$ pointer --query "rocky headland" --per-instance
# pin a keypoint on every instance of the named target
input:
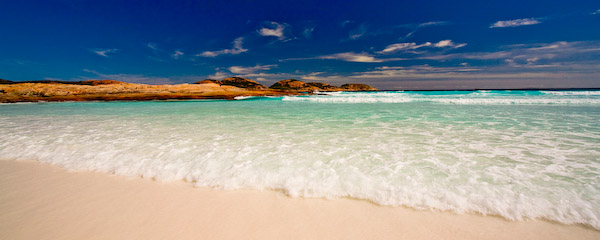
(111, 90)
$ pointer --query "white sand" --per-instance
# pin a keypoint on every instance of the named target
(39, 201)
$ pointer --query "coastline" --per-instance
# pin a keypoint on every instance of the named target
(41, 201)
(50, 92)
(111, 90)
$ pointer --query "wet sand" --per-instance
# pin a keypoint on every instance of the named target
(40, 201)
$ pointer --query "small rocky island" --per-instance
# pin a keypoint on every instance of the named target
(111, 90)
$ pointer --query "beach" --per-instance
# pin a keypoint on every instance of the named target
(363, 165)
(40, 201)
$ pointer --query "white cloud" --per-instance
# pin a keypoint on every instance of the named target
(177, 54)
(411, 46)
(448, 43)
(249, 70)
(318, 76)
(515, 23)
(348, 57)
(274, 30)
(352, 57)
(104, 52)
(421, 25)
(425, 72)
(218, 75)
(403, 46)
(596, 12)
(556, 51)
(433, 23)
(237, 49)
(358, 32)
(555, 45)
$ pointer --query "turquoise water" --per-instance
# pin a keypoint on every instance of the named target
(517, 154)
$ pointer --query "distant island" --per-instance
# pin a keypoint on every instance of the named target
(111, 90)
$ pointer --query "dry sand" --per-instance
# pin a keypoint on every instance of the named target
(39, 201)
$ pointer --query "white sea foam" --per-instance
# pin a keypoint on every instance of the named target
(516, 162)
(242, 97)
(576, 93)
(470, 98)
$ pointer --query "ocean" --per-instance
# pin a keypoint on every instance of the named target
(516, 154)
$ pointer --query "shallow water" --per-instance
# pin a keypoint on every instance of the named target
(518, 154)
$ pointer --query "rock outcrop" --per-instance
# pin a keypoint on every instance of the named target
(34, 92)
(291, 84)
(322, 86)
(111, 90)
(357, 87)
(100, 82)
(297, 85)
(205, 81)
(243, 83)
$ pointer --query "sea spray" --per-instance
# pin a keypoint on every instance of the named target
(506, 153)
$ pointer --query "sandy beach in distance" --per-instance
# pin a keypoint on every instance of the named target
(40, 201)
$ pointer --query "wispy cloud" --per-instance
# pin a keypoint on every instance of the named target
(130, 78)
(249, 70)
(219, 75)
(519, 53)
(324, 77)
(348, 57)
(403, 46)
(177, 54)
(515, 23)
(273, 29)
(104, 52)
(269, 78)
(596, 12)
(465, 77)
(416, 27)
(353, 57)
(449, 44)
(412, 46)
(307, 33)
(520, 65)
(152, 46)
(357, 32)
(344, 23)
(237, 49)
(410, 72)
(432, 23)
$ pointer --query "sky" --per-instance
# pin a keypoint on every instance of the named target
(387, 44)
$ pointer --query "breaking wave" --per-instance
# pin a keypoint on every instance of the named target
(459, 97)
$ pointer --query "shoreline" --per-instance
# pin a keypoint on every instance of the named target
(111, 90)
(41, 201)
(47, 92)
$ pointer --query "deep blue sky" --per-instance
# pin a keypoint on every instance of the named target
(388, 44)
